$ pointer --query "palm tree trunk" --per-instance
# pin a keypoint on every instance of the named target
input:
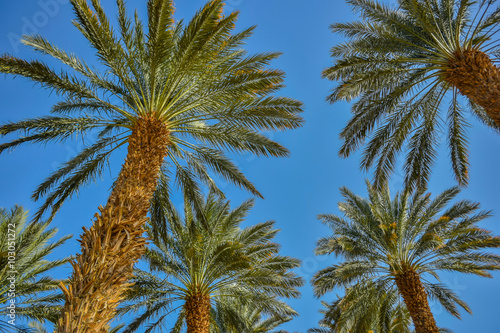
(197, 309)
(115, 242)
(415, 298)
(475, 76)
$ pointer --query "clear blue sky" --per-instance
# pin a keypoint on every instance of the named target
(296, 189)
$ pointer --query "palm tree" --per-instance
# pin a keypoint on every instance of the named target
(177, 93)
(401, 65)
(397, 243)
(23, 267)
(201, 271)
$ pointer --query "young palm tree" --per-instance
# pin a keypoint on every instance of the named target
(175, 92)
(396, 243)
(401, 65)
(201, 271)
(23, 251)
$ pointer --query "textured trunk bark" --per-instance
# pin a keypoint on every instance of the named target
(197, 309)
(115, 241)
(475, 76)
(415, 298)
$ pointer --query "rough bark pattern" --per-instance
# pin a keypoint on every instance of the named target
(115, 242)
(476, 77)
(415, 298)
(197, 309)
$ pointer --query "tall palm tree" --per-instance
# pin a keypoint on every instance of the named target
(403, 64)
(201, 271)
(24, 267)
(175, 92)
(398, 243)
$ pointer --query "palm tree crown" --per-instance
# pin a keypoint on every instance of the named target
(402, 65)
(397, 243)
(194, 78)
(217, 268)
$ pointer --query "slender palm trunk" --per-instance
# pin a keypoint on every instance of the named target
(197, 309)
(115, 242)
(415, 298)
(475, 76)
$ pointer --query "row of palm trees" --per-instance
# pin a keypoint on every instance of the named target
(219, 277)
(400, 64)
(237, 273)
(180, 95)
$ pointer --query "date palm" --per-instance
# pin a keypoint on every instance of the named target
(202, 272)
(400, 243)
(24, 248)
(178, 95)
(406, 67)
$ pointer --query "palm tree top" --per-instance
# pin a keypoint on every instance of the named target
(235, 267)
(404, 66)
(380, 238)
(195, 78)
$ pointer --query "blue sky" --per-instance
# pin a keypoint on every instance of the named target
(296, 189)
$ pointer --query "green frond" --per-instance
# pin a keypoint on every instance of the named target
(79, 171)
(47, 129)
(447, 298)
(62, 84)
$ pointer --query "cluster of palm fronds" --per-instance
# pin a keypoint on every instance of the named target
(35, 293)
